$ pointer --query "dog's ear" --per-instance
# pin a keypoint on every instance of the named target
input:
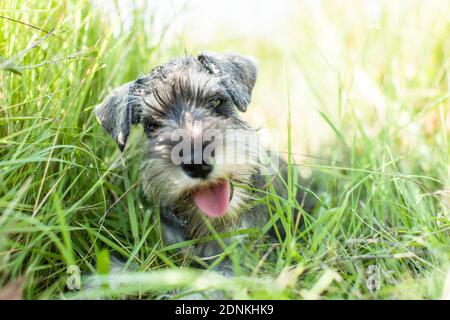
(119, 111)
(239, 74)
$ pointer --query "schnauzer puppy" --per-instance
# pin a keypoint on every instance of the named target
(203, 165)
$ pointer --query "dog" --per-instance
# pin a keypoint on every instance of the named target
(190, 111)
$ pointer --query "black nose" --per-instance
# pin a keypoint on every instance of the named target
(200, 170)
(196, 164)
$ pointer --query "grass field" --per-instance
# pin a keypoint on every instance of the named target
(361, 99)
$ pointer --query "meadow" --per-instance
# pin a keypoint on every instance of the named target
(358, 90)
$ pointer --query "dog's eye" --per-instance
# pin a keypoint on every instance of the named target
(151, 126)
(215, 103)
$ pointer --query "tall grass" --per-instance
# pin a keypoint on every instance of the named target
(68, 197)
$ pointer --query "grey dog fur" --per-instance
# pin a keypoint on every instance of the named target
(173, 96)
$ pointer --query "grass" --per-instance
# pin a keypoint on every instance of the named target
(376, 144)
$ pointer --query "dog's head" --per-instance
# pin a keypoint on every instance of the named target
(200, 153)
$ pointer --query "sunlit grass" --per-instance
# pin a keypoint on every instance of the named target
(369, 117)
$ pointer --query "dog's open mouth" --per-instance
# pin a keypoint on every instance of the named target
(214, 200)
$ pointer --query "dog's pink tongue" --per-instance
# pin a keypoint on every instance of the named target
(213, 201)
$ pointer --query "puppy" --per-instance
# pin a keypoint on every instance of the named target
(204, 166)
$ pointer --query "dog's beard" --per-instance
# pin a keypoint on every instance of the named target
(167, 185)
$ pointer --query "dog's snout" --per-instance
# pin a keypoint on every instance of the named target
(201, 170)
(197, 163)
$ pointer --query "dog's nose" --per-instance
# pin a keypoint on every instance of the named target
(196, 164)
(194, 170)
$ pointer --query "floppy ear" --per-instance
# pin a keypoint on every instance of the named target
(239, 74)
(119, 111)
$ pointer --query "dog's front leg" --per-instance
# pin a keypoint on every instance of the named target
(172, 228)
